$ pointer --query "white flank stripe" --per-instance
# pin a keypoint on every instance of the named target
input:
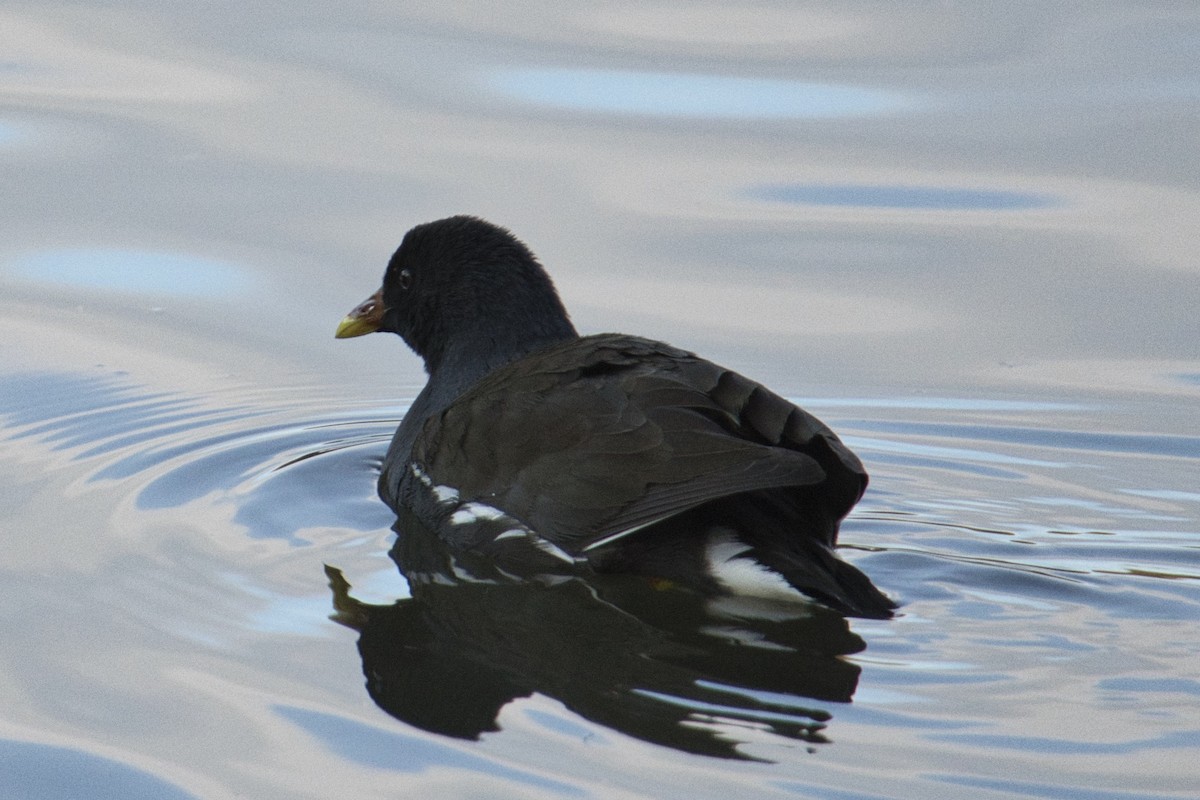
(474, 512)
(511, 533)
(419, 474)
(550, 547)
(445, 494)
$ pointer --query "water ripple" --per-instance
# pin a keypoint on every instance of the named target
(1015, 545)
(1052, 439)
(285, 468)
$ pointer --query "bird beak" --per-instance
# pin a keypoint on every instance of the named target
(366, 318)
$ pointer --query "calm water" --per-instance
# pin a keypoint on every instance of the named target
(963, 235)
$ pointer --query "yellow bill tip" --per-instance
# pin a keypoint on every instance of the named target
(353, 326)
(366, 318)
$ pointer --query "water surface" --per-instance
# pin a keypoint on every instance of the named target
(960, 236)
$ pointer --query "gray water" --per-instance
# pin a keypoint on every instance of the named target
(964, 235)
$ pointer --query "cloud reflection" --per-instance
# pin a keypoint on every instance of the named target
(51, 771)
(132, 271)
(669, 94)
(906, 197)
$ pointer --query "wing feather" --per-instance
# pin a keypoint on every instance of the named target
(608, 433)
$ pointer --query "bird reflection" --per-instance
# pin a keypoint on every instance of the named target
(647, 658)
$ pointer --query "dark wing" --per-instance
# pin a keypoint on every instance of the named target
(608, 433)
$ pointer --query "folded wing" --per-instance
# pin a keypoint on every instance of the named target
(610, 433)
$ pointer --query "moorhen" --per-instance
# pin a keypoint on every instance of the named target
(559, 452)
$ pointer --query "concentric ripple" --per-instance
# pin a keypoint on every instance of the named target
(286, 467)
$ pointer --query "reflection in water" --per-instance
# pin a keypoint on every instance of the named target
(33, 770)
(389, 750)
(647, 659)
(134, 271)
(674, 94)
(907, 197)
(1032, 542)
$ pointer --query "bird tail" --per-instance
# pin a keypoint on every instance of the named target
(741, 567)
(837, 584)
(800, 548)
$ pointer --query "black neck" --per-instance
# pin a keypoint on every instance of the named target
(464, 363)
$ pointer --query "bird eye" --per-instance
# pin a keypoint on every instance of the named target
(405, 279)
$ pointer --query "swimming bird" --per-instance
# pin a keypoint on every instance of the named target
(606, 452)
